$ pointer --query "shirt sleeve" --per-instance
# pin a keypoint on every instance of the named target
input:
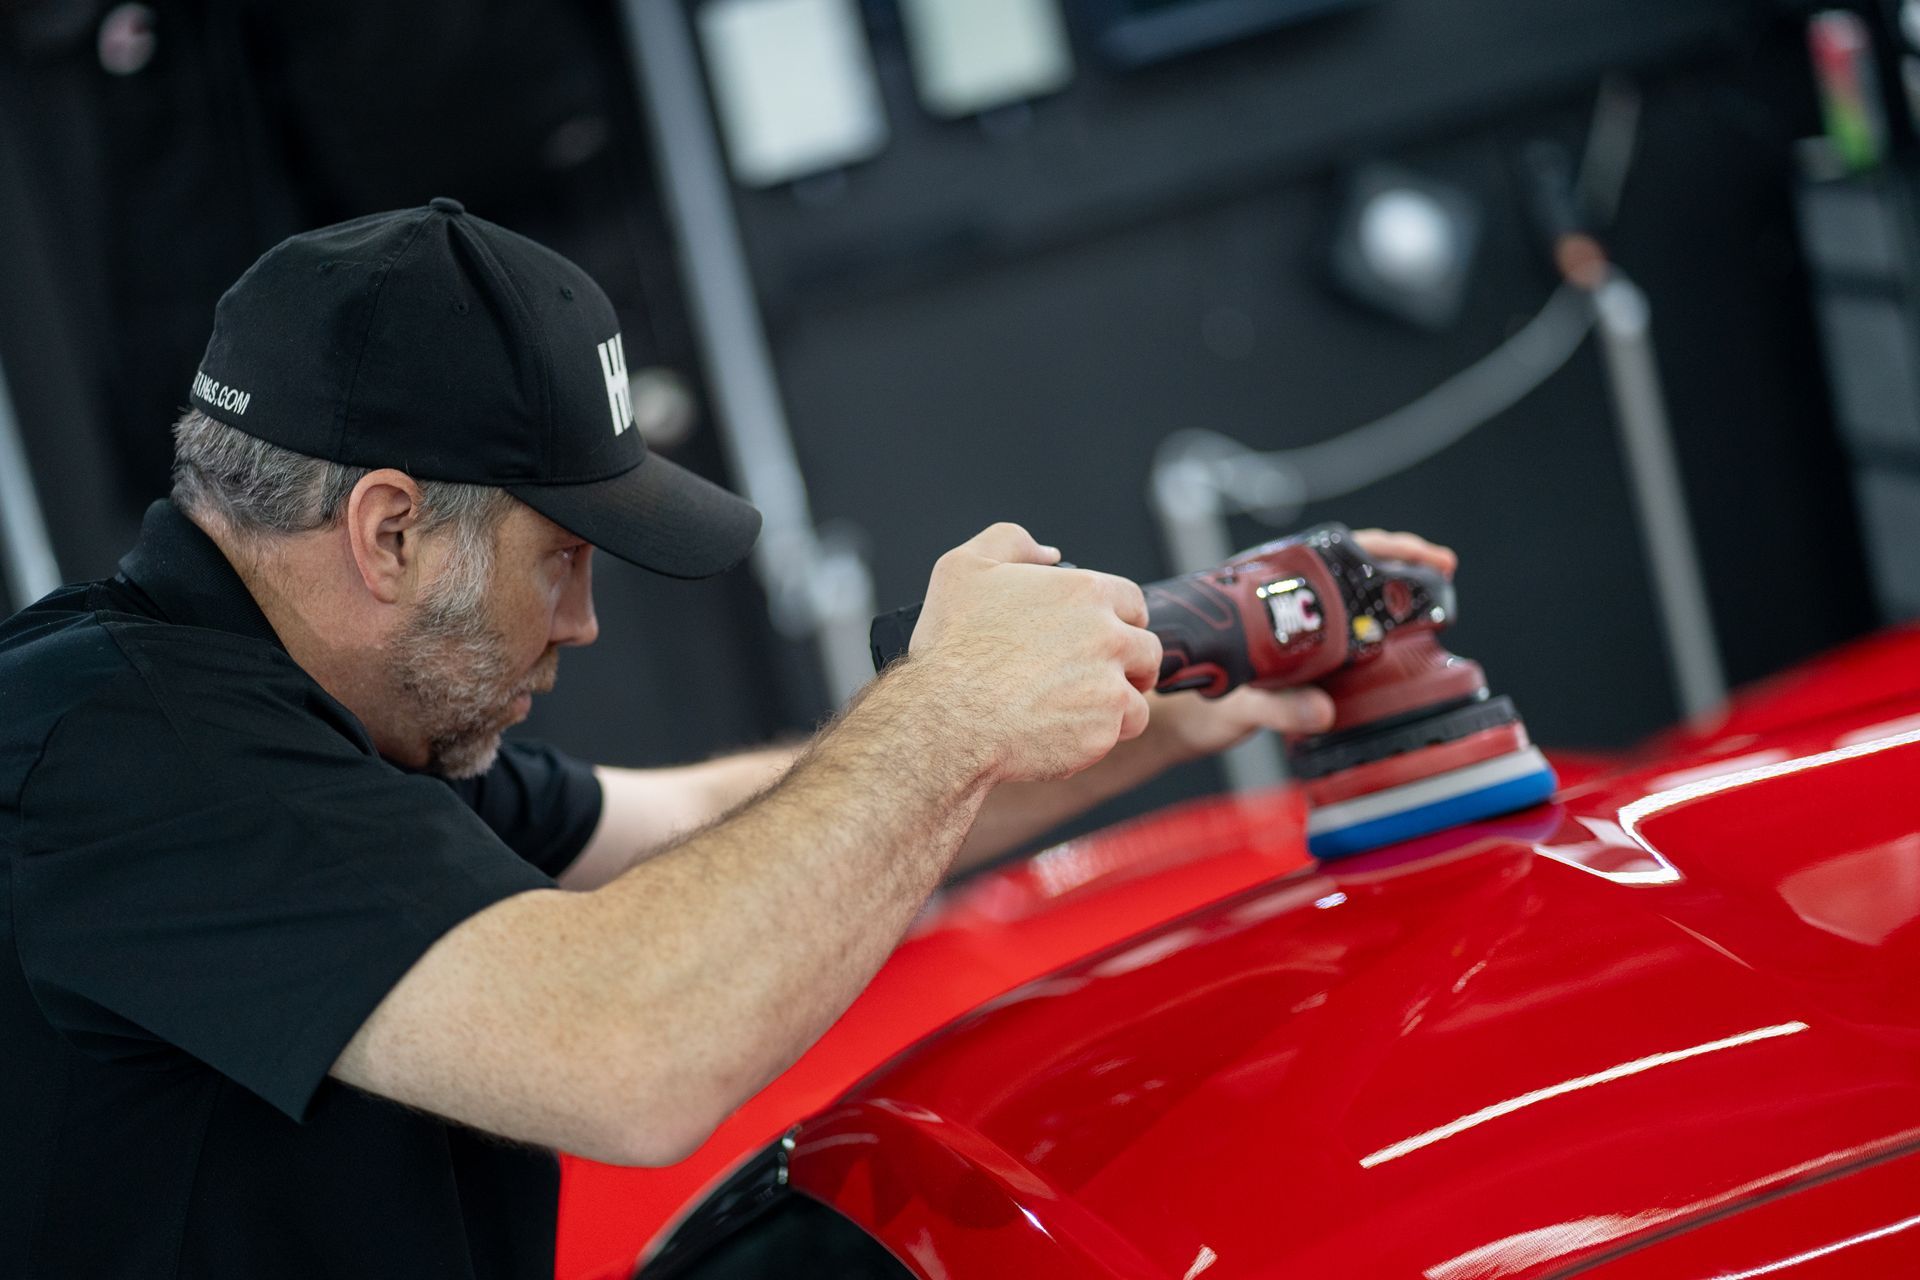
(542, 803)
(249, 893)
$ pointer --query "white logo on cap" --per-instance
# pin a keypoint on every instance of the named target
(613, 364)
(220, 396)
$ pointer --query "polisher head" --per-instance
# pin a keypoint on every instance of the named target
(1416, 773)
(1483, 790)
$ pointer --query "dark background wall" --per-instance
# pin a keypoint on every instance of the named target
(1001, 319)
(1004, 322)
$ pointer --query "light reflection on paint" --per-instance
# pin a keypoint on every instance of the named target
(1526, 1250)
(908, 1110)
(1073, 865)
(1201, 1261)
(1152, 951)
(1517, 1253)
(1613, 855)
(1798, 1258)
(1632, 815)
(1885, 729)
(923, 1251)
(1269, 905)
(1407, 1146)
(1719, 768)
(1331, 900)
(1473, 971)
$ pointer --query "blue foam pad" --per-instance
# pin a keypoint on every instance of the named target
(1484, 802)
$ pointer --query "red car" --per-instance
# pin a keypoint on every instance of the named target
(1667, 1025)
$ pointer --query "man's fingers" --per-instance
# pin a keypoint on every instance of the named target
(1141, 658)
(1129, 601)
(1133, 721)
(1302, 710)
(1011, 544)
(1407, 546)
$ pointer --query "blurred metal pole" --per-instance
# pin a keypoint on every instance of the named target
(25, 548)
(1660, 502)
(817, 587)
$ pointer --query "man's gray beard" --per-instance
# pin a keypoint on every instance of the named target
(452, 669)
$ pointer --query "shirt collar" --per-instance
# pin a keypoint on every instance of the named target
(188, 578)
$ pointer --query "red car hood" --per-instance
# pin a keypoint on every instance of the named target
(1490, 1052)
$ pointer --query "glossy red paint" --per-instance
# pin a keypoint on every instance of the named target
(1490, 1052)
(1867, 1224)
(1495, 1051)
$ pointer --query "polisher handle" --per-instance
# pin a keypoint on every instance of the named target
(891, 633)
(1275, 615)
(1289, 612)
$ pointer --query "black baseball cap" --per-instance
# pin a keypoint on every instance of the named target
(435, 342)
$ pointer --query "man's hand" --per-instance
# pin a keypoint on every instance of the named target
(1049, 667)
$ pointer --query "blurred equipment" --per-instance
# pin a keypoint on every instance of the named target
(1859, 213)
(1135, 32)
(25, 550)
(818, 585)
(1417, 743)
(1659, 499)
(1405, 245)
(127, 39)
(1861, 236)
(971, 56)
(793, 83)
(1850, 101)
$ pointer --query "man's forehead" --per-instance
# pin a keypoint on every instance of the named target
(525, 524)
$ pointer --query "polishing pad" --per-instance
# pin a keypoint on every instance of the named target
(1480, 790)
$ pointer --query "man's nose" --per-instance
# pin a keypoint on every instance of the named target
(574, 622)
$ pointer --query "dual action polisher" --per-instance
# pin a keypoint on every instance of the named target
(1417, 742)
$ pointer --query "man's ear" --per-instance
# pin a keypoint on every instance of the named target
(383, 512)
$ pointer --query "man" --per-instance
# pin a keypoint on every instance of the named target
(275, 991)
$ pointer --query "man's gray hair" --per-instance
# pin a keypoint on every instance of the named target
(261, 491)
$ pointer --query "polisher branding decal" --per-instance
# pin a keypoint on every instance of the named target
(1293, 609)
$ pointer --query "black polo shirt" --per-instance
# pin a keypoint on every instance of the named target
(210, 879)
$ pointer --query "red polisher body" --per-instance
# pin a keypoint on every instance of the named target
(1417, 743)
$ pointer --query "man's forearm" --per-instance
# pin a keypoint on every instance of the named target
(647, 1009)
(647, 808)
(733, 951)
(1011, 816)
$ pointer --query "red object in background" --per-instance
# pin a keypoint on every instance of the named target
(1685, 987)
